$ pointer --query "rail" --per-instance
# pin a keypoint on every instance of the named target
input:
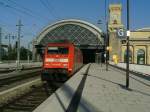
(10, 78)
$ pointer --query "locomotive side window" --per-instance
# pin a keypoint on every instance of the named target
(57, 50)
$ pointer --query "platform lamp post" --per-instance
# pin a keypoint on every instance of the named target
(106, 36)
(127, 58)
(99, 22)
(106, 46)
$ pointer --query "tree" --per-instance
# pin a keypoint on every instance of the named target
(11, 54)
(4, 54)
(24, 53)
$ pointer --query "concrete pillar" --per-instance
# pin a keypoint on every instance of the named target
(134, 54)
(148, 54)
(34, 50)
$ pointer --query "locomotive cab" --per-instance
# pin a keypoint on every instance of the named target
(58, 61)
(56, 57)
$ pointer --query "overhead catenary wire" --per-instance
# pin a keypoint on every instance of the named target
(29, 10)
(12, 12)
(12, 8)
(52, 9)
(19, 10)
(48, 9)
(26, 11)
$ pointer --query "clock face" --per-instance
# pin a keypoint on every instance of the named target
(114, 17)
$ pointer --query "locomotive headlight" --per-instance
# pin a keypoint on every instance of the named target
(70, 69)
(49, 60)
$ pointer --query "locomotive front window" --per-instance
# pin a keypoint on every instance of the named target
(57, 50)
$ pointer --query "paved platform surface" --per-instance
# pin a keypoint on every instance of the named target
(145, 69)
(99, 91)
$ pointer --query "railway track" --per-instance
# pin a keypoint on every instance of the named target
(29, 101)
(6, 70)
(9, 79)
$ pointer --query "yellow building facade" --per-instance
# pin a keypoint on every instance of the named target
(139, 47)
(139, 40)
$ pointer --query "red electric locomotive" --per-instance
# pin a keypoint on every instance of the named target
(60, 61)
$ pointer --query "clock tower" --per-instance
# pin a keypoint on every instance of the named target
(115, 11)
(114, 23)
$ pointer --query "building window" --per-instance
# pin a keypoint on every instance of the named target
(130, 56)
(140, 56)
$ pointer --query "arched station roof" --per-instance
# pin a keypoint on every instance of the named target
(144, 29)
(77, 31)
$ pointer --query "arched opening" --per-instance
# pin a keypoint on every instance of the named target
(130, 56)
(140, 56)
(82, 34)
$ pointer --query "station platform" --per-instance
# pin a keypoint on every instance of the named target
(143, 69)
(99, 90)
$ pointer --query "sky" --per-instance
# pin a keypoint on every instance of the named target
(37, 14)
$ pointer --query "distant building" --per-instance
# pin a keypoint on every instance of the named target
(139, 40)
(139, 47)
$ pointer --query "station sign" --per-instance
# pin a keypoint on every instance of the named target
(121, 33)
